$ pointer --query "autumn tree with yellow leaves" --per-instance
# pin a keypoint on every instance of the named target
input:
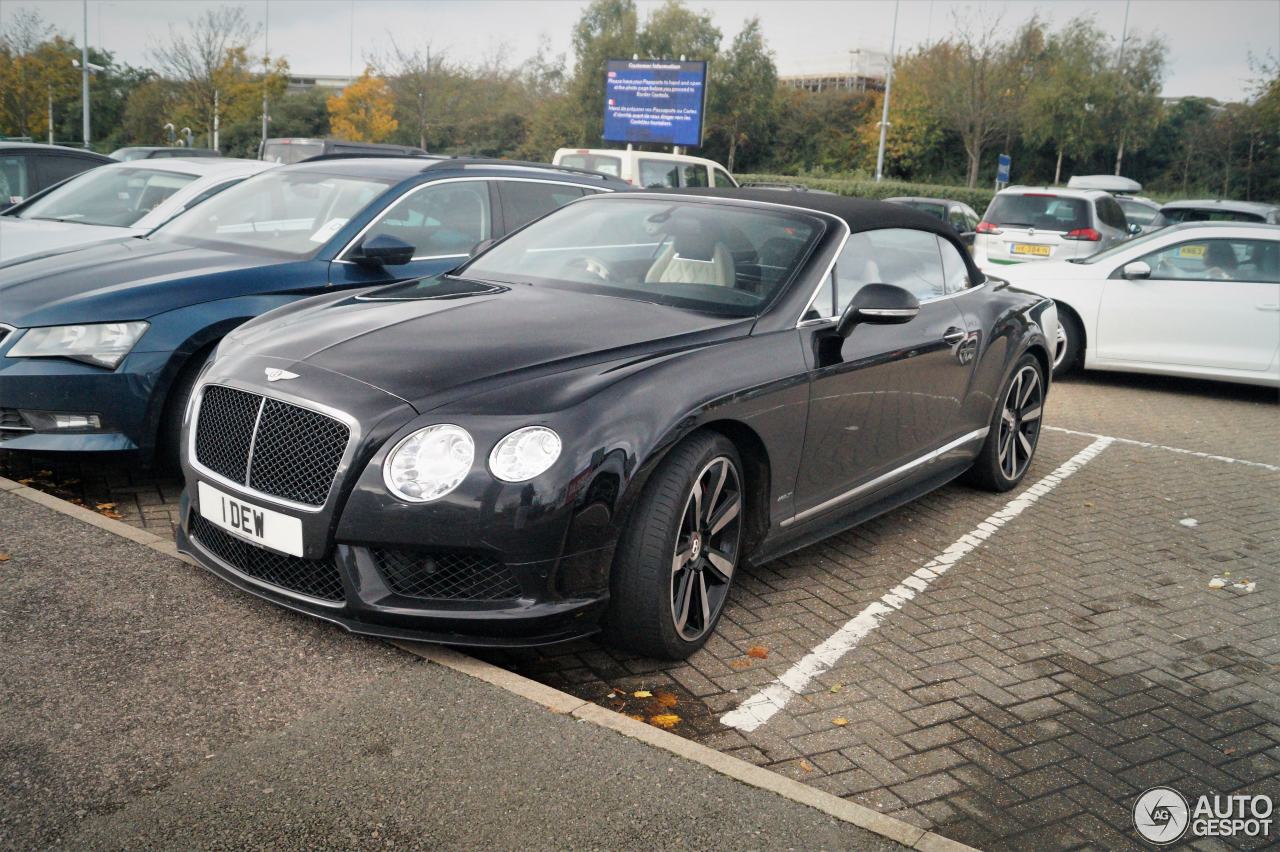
(364, 111)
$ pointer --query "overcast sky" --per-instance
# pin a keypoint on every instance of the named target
(1210, 41)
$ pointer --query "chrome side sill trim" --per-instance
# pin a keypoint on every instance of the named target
(896, 473)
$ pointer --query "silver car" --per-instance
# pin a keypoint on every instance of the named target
(1025, 223)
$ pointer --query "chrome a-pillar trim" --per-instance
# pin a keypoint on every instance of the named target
(896, 473)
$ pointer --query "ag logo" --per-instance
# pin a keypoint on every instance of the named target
(1161, 815)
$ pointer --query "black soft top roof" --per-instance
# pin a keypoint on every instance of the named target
(860, 214)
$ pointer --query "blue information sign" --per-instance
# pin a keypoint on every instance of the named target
(654, 100)
(1002, 168)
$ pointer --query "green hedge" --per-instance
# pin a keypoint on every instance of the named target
(978, 199)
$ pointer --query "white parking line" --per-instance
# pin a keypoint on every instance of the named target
(1271, 467)
(761, 707)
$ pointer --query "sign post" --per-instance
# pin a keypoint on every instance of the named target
(1002, 171)
(657, 101)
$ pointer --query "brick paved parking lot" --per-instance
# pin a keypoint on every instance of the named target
(1009, 670)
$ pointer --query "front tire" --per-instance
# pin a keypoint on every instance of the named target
(1014, 431)
(169, 450)
(678, 555)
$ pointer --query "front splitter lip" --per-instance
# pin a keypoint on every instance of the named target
(372, 628)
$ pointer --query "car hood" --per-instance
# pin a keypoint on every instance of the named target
(124, 279)
(22, 237)
(430, 351)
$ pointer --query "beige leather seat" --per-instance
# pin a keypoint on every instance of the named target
(685, 261)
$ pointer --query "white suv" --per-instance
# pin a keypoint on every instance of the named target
(1025, 223)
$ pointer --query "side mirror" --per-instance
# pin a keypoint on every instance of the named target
(1136, 269)
(384, 250)
(882, 304)
(1134, 229)
(482, 246)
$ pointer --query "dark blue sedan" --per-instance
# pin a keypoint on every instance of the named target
(100, 346)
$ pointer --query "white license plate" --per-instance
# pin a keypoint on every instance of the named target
(266, 527)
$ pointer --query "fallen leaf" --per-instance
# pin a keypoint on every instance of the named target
(642, 693)
(740, 663)
(636, 716)
(666, 699)
(836, 687)
(839, 721)
(664, 720)
(106, 505)
(759, 652)
(4, 557)
(806, 766)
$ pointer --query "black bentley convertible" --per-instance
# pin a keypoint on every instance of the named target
(596, 422)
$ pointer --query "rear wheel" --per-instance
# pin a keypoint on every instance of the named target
(678, 556)
(1014, 431)
(1068, 346)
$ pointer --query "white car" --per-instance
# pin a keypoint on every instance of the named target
(116, 200)
(1198, 299)
(647, 169)
(1036, 224)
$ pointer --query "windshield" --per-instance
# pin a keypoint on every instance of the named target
(110, 196)
(280, 212)
(288, 153)
(593, 162)
(1174, 215)
(1042, 211)
(1137, 212)
(710, 257)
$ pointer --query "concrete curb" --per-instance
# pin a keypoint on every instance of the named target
(556, 701)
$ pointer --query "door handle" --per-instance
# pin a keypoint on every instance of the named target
(954, 335)
(1268, 307)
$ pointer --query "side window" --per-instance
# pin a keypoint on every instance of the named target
(50, 170)
(955, 218)
(524, 201)
(1218, 260)
(694, 174)
(446, 219)
(1111, 213)
(657, 173)
(823, 305)
(899, 256)
(971, 218)
(955, 273)
(723, 178)
(13, 180)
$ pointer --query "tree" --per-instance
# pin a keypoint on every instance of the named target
(971, 88)
(1066, 101)
(606, 30)
(364, 110)
(743, 86)
(35, 68)
(1134, 108)
(672, 31)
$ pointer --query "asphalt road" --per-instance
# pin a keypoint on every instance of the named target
(146, 704)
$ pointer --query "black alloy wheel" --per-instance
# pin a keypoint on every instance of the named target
(1020, 422)
(681, 548)
(1014, 432)
(706, 550)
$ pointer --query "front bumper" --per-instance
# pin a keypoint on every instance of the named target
(539, 615)
(122, 398)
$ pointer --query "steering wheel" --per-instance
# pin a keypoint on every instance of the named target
(591, 265)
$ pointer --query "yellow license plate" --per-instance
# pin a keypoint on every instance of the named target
(1025, 248)
(1192, 251)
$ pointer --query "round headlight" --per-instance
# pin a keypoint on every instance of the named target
(524, 454)
(429, 463)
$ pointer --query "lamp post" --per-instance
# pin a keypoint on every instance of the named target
(888, 83)
(84, 70)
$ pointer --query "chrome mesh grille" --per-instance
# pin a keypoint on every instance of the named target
(303, 477)
(446, 576)
(317, 578)
(268, 445)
